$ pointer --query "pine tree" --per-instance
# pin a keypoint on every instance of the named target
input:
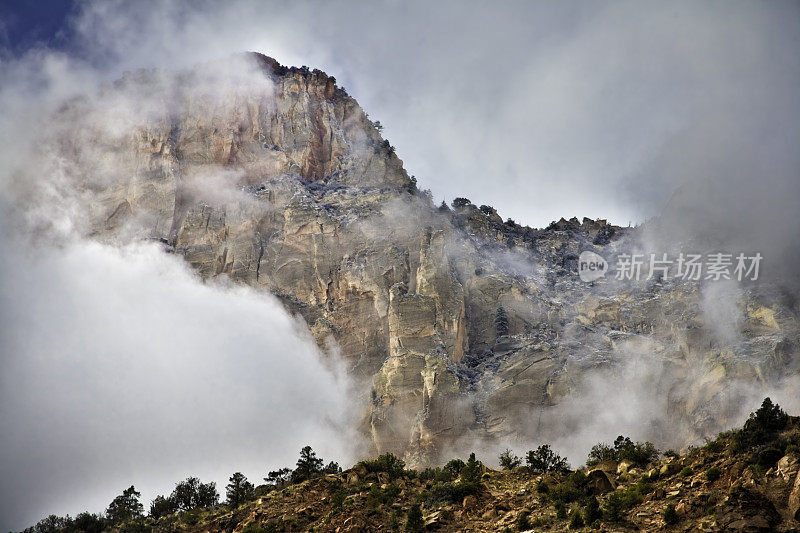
(239, 490)
(471, 473)
(125, 507)
(414, 522)
(308, 466)
(501, 322)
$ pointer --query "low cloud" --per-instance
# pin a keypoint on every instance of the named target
(121, 367)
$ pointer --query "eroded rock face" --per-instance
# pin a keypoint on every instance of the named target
(276, 178)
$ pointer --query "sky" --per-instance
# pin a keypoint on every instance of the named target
(616, 110)
(542, 110)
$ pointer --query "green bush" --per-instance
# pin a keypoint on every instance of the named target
(509, 461)
(713, 474)
(686, 472)
(565, 492)
(639, 453)
(670, 515)
(620, 501)
(414, 521)
(575, 520)
(449, 492)
(592, 511)
(768, 457)
(387, 463)
(541, 487)
(544, 459)
(523, 522)
(454, 467)
(561, 509)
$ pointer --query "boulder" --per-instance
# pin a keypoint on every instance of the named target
(470, 502)
(794, 499)
(599, 481)
(788, 467)
(746, 510)
(624, 466)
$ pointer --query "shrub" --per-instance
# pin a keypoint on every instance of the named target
(639, 453)
(670, 514)
(454, 467)
(89, 523)
(713, 474)
(601, 452)
(768, 457)
(565, 492)
(388, 463)
(561, 509)
(191, 494)
(620, 501)
(686, 472)
(332, 468)
(543, 459)
(592, 512)
(523, 521)
(162, 506)
(279, 478)
(542, 487)
(378, 496)
(509, 461)
(414, 520)
(575, 520)
(449, 492)
(461, 202)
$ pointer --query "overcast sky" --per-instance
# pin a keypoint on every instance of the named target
(541, 109)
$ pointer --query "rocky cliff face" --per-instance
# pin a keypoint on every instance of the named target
(276, 178)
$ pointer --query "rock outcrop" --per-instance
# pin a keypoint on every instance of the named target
(275, 178)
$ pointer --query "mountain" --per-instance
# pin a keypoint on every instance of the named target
(461, 330)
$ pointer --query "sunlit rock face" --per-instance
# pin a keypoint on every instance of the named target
(275, 178)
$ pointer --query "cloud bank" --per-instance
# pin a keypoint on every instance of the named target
(603, 110)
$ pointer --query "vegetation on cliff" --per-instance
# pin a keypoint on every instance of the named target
(746, 480)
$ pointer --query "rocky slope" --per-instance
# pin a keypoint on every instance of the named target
(744, 480)
(275, 178)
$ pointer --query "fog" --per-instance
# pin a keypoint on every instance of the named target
(120, 367)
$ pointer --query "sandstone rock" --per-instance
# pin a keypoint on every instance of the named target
(624, 466)
(745, 510)
(669, 469)
(470, 502)
(599, 481)
(275, 178)
(794, 499)
(788, 467)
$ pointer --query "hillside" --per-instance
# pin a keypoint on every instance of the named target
(744, 480)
